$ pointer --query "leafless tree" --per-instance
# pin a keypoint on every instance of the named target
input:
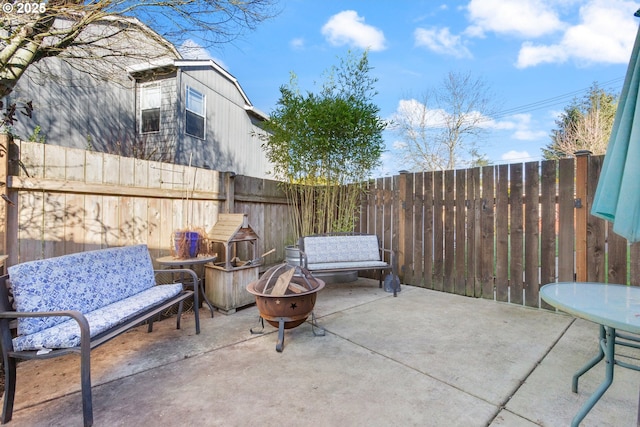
(86, 31)
(440, 130)
(585, 124)
(591, 132)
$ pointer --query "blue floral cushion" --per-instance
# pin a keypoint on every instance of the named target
(67, 333)
(338, 249)
(84, 281)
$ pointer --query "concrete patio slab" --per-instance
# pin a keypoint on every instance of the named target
(424, 358)
(546, 397)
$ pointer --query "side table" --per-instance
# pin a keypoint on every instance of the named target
(170, 262)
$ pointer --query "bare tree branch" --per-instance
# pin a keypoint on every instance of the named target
(95, 30)
(439, 131)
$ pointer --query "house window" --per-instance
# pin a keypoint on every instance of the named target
(195, 113)
(150, 108)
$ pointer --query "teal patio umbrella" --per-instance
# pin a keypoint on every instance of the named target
(617, 197)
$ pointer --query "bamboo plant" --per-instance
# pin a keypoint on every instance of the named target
(324, 147)
(181, 239)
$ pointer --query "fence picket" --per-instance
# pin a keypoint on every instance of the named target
(566, 214)
(449, 232)
(490, 231)
(427, 226)
(548, 222)
(460, 233)
(438, 231)
(516, 266)
(418, 227)
(532, 233)
(502, 233)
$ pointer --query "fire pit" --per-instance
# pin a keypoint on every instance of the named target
(285, 297)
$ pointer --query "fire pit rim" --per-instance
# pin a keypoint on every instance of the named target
(251, 289)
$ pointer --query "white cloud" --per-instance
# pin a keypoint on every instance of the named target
(417, 115)
(520, 126)
(390, 164)
(297, 43)
(604, 35)
(523, 18)
(517, 156)
(499, 125)
(529, 134)
(441, 41)
(347, 28)
(531, 55)
(414, 115)
(399, 145)
(192, 50)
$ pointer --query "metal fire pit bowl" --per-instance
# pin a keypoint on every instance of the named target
(286, 298)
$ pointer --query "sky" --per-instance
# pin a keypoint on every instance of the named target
(535, 56)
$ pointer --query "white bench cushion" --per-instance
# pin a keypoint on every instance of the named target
(358, 265)
(67, 333)
(84, 281)
(341, 249)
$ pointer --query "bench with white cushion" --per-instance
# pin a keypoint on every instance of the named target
(74, 303)
(328, 253)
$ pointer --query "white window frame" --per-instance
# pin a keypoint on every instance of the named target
(198, 109)
(150, 99)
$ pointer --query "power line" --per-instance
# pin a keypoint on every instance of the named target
(550, 102)
(534, 106)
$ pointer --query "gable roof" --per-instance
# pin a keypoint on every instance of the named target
(186, 63)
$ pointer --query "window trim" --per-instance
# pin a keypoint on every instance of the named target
(143, 99)
(189, 92)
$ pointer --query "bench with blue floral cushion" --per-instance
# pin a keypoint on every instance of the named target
(74, 303)
(340, 252)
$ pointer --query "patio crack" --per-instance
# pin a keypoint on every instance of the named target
(503, 405)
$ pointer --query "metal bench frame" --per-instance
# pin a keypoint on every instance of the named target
(8, 326)
(381, 270)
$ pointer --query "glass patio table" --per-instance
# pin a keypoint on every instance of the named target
(615, 308)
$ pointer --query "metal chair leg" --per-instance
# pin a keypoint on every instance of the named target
(85, 383)
(9, 389)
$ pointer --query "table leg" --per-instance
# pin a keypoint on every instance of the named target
(638, 409)
(607, 346)
(204, 295)
(200, 288)
(590, 364)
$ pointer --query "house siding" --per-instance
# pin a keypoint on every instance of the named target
(160, 145)
(76, 110)
(230, 144)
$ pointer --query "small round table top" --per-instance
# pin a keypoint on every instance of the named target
(173, 261)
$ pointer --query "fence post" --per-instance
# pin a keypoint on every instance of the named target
(230, 193)
(581, 205)
(4, 176)
(402, 215)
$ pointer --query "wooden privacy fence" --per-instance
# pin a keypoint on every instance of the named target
(64, 200)
(492, 232)
(499, 231)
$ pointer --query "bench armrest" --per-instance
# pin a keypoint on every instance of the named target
(304, 261)
(85, 335)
